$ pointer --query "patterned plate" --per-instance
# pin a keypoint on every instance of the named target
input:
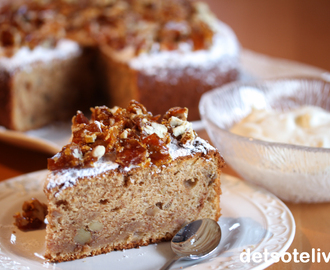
(252, 220)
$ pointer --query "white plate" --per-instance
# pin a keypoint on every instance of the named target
(251, 218)
(51, 138)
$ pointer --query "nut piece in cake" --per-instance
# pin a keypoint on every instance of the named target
(139, 180)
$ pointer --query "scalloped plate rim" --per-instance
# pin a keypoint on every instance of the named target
(232, 187)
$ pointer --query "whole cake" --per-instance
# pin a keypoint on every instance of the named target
(128, 179)
(60, 55)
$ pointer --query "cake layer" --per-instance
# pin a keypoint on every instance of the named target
(117, 210)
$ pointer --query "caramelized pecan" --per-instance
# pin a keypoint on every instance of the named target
(131, 137)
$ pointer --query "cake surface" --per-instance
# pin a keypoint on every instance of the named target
(157, 52)
(128, 179)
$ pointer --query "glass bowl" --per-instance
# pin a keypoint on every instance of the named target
(293, 173)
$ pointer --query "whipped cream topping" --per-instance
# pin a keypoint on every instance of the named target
(69, 177)
(25, 56)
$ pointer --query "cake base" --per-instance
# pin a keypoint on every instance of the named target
(121, 209)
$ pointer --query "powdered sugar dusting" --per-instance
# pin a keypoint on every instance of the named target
(69, 177)
(24, 56)
(198, 145)
(225, 48)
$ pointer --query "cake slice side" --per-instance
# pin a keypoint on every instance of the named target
(35, 92)
(114, 210)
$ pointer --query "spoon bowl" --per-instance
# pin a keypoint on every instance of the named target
(194, 241)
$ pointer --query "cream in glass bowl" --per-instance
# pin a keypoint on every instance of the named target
(284, 138)
(306, 125)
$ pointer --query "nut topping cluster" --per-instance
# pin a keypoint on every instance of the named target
(129, 137)
(139, 24)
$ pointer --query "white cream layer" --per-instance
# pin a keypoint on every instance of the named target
(225, 45)
(225, 48)
(69, 177)
(24, 56)
(171, 65)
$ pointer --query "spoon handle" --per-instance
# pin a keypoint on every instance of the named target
(170, 263)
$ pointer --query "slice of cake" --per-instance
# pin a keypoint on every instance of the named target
(128, 179)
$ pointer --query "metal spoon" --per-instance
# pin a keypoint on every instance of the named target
(194, 241)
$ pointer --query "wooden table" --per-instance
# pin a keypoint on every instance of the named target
(312, 220)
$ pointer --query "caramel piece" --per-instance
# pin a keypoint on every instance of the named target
(131, 136)
(33, 216)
